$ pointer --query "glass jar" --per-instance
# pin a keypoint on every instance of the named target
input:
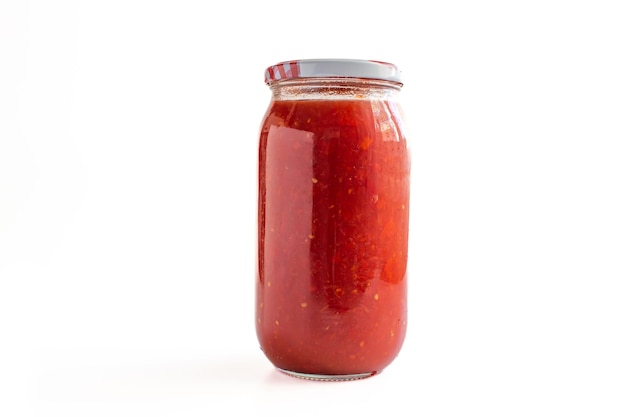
(333, 217)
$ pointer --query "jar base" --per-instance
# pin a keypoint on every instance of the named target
(328, 378)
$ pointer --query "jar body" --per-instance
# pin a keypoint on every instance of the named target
(333, 213)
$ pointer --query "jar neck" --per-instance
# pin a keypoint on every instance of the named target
(334, 89)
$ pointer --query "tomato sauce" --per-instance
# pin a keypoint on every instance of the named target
(332, 236)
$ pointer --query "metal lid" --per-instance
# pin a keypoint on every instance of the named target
(337, 68)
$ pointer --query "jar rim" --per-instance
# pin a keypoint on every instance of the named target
(333, 68)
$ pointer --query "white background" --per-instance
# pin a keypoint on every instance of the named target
(128, 134)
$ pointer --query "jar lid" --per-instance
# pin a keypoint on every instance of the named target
(335, 68)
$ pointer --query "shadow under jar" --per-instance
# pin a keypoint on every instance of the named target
(333, 219)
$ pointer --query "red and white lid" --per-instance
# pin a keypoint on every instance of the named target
(335, 68)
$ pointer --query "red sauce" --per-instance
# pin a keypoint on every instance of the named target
(333, 231)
